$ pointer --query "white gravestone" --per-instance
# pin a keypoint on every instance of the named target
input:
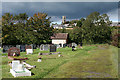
(19, 70)
(39, 60)
(29, 51)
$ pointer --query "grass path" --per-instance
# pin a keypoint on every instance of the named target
(101, 64)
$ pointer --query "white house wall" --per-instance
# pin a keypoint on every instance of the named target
(58, 41)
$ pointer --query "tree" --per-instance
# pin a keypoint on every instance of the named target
(19, 29)
(80, 22)
(77, 35)
(96, 28)
(40, 25)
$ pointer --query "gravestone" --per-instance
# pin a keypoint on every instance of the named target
(44, 47)
(74, 44)
(34, 46)
(5, 48)
(31, 46)
(15, 65)
(73, 48)
(22, 48)
(57, 45)
(19, 70)
(38, 46)
(18, 46)
(81, 44)
(41, 47)
(13, 51)
(52, 48)
(69, 45)
(29, 49)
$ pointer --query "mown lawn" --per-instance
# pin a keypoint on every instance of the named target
(93, 61)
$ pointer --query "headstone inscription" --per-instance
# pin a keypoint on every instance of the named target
(13, 52)
(52, 48)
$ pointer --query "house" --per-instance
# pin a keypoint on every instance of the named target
(58, 26)
(59, 38)
(115, 24)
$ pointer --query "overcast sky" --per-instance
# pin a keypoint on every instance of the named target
(72, 10)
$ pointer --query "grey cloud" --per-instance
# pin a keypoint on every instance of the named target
(72, 10)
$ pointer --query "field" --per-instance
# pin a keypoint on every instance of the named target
(93, 61)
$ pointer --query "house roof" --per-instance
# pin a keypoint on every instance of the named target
(59, 36)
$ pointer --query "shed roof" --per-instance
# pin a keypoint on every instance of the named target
(59, 36)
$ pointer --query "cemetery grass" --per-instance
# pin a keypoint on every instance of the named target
(93, 61)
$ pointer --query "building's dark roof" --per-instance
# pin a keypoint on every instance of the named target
(60, 36)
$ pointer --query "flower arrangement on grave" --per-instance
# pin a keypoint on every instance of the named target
(15, 54)
(39, 59)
